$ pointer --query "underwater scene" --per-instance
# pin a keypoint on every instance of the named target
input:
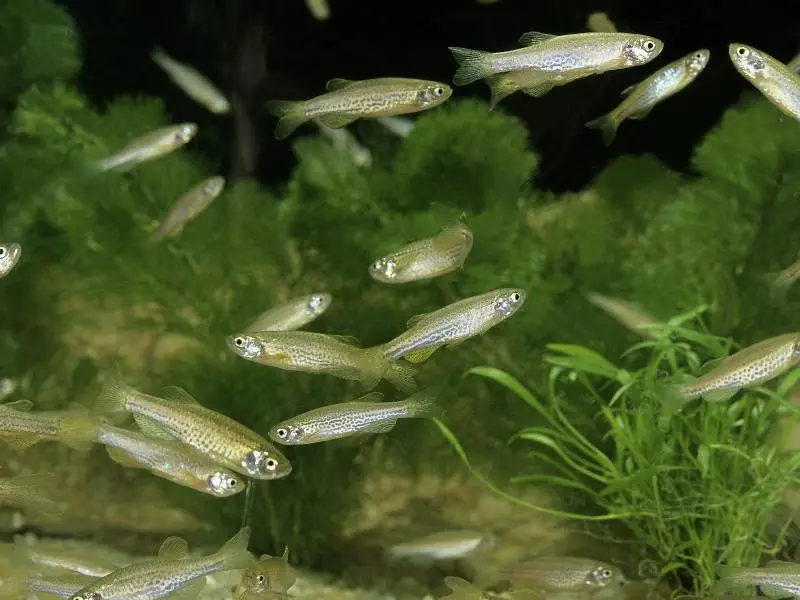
(337, 299)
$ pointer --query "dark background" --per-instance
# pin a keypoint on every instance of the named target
(257, 50)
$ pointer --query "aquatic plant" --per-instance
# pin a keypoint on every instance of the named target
(699, 487)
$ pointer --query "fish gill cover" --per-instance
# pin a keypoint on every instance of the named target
(93, 292)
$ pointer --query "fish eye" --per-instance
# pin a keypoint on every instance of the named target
(260, 579)
(606, 573)
(282, 433)
(742, 51)
(438, 91)
(515, 297)
(238, 342)
(232, 482)
(3, 251)
(272, 464)
(699, 56)
(649, 45)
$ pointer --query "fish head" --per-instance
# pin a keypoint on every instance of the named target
(84, 595)
(272, 574)
(318, 303)
(246, 346)
(433, 93)
(383, 269)
(286, 433)
(266, 463)
(9, 256)
(184, 132)
(603, 576)
(224, 483)
(747, 60)
(508, 301)
(641, 50)
(697, 61)
(213, 186)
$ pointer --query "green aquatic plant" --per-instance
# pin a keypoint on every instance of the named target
(699, 487)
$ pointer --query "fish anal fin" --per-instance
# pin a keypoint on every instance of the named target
(416, 319)
(640, 114)
(338, 83)
(537, 91)
(123, 458)
(531, 38)
(174, 548)
(337, 121)
(151, 428)
(20, 441)
(719, 395)
(383, 426)
(420, 356)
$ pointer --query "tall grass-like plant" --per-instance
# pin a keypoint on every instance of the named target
(697, 484)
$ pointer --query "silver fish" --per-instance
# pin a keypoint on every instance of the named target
(564, 573)
(368, 414)
(172, 571)
(63, 587)
(292, 314)
(444, 545)
(10, 253)
(642, 97)
(191, 81)
(556, 57)
(20, 428)
(150, 146)
(776, 578)
(189, 207)
(84, 558)
(453, 324)
(776, 81)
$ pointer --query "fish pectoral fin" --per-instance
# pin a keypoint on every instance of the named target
(278, 358)
(174, 548)
(123, 458)
(178, 395)
(640, 114)
(627, 90)
(20, 441)
(337, 121)
(338, 83)
(420, 356)
(720, 395)
(380, 426)
(531, 38)
(538, 90)
(151, 428)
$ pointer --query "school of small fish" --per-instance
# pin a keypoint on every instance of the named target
(179, 440)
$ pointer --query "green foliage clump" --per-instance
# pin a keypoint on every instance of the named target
(699, 487)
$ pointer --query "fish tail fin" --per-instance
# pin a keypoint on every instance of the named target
(234, 552)
(423, 404)
(500, 89)
(290, 116)
(778, 287)
(158, 56)
(78, 429)
(112, 399)
(472, 65)
(608, 125)
(401, 375)
(672, 396)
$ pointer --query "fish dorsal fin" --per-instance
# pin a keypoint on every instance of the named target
(347, 339)
(627, 90)
(285, 556)
(178, 395)
(20, 405)
(338, 84)
(173, 548)
(371, 397)
(531, 38)
(416, 319)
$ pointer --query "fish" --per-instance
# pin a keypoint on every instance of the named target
(319, 9)
(641, 98)
(777, 82)
(10, 253)
(270, 576)
(172, 571)
(564, 574)
(170, 460)
(192, 82)
(292, 314)
(626, 313)
(425, 259)
(780, 282)
(63, 587)
(399, 126)
(30, 493)
(321, 353)
(776, 578)
(189, 207)
(558, 57)
(21, 429)
(444, 545)
(368, 414)
(346, 143)
(749, 367)
(180, 417)
(600, 22)
(83, 558)
(453, 324)
(347, 100)
(150, 146)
